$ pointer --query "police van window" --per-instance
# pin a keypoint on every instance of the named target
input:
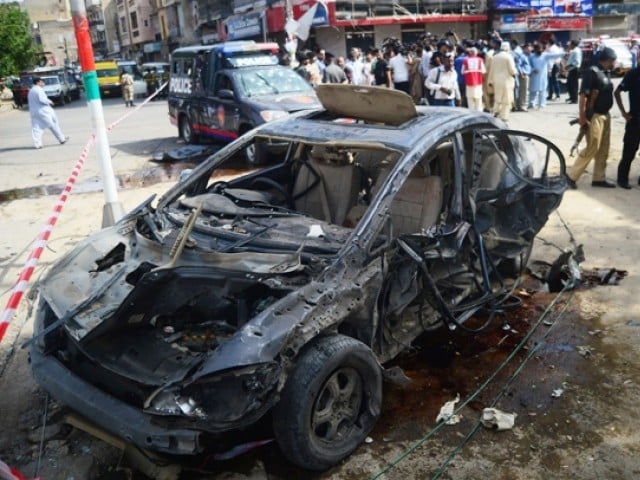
(223, 82)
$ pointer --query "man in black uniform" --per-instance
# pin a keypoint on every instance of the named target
(594, 115)
(381, 70)
(630, 83)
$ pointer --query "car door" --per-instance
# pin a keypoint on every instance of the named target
(223, 111)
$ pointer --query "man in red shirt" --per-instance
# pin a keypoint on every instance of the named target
(473, 70)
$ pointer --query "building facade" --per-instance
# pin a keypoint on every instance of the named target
(148, 30)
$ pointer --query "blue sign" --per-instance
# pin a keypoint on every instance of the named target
(550, 8)
(244, 26)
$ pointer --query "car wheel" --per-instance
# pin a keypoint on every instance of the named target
(330, 402)
(186, 131)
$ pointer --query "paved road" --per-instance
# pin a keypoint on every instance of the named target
(132, 143)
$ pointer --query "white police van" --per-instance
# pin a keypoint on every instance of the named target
(224, 90)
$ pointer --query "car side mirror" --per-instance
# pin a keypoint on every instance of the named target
(226, 94)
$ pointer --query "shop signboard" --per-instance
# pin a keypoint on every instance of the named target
(554, 24)
(244, 26)
(548, 8)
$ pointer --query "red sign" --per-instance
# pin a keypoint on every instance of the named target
(541, 23)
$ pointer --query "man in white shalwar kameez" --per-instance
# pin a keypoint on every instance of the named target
(42, 115)
(502, 77)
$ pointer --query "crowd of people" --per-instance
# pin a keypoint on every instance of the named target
(494, 75)
(499, 76)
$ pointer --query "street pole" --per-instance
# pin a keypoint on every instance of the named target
(112, 210)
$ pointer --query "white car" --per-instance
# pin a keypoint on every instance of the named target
(56, 90)
(139, 86)
(623, 61)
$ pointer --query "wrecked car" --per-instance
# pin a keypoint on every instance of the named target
(282, 293)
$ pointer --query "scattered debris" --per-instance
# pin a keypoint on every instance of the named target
(495, 419)
(609, 276)
(564, 271)
(396, 376)
(633, 323)
(446, 412)
(315, 231)
(596, 333)
(368, 440)
(189, 152)
(557, 393)
(584, 350)
(49, 432)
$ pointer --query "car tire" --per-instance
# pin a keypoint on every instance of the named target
(62, 101)
(330, 402)
(186, 130)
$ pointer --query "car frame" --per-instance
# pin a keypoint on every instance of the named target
(287, 289)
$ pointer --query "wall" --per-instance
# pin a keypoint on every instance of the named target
(332, 40)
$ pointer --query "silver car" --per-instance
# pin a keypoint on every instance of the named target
(282, 293)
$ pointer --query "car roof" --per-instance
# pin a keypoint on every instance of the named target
(231, 46)
(372, 122)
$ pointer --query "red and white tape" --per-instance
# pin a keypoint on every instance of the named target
(39, 245)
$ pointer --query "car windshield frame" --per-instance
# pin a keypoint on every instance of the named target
(107, 72)
(49, 81)
(262, 81)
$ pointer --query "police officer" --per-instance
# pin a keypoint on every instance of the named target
(594, 115)
(165, 79)
(630, 83)
(149, 80)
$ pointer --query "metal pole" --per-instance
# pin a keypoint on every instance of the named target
(112, 210)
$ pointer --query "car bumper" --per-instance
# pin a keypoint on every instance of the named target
(108, 412)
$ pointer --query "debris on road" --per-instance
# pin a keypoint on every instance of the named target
(446, 412)
(585, 350)
(495, 419)
(557, 393)
(187, 153)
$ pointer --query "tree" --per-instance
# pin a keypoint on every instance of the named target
(18, 51)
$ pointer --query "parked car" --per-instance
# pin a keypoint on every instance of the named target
(288, 289)
(56, 89)
(591, 46)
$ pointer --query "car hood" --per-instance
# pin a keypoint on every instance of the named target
(290, 102)
(114, 269)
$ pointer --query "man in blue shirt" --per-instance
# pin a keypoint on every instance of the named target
(524, 70)
(461, 54)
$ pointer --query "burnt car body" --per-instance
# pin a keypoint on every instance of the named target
(285, 290)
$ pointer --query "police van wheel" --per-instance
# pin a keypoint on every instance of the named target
(186, 131)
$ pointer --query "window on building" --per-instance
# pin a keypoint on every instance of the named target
(134, 20)
(123, 25)
(146, 23)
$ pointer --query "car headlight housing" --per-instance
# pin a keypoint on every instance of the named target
(269, 115)
(221, 398)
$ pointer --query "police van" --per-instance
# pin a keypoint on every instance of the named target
(224, 90)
